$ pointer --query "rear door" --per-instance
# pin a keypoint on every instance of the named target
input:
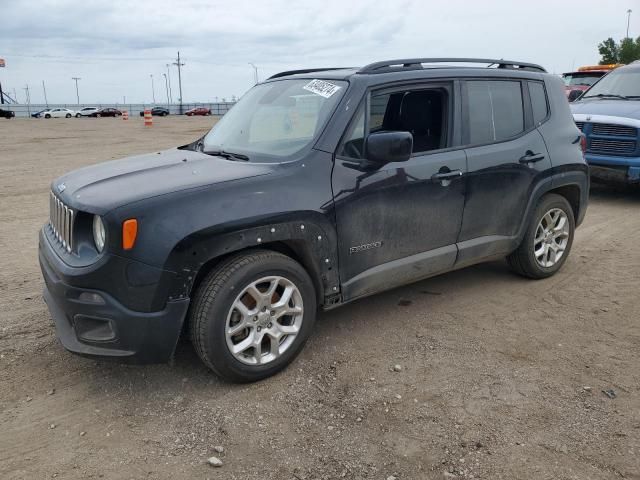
(506, 158)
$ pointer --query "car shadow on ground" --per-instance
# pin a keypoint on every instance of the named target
(615, 192)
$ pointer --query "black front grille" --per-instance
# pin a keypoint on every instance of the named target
(580, 125)
(612, 147)
(612, 130)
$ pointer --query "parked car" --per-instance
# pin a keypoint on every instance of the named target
(157, 111)
(86, 111)
(106, 112)
(58, 113)
(39, 113)
(609, 116)
(318, 188)
(198, 111)
(578, 82)
(7, 113)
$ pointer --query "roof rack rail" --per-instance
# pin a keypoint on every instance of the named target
(416, 64)
(306, 70)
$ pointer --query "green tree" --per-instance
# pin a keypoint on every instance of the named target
(626, 51)
(629, 50)
(609, 51)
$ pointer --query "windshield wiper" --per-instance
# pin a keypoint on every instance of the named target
(228, 155)
(607, 95)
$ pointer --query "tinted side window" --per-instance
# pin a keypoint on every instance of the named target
(538, 101)
(495, 110)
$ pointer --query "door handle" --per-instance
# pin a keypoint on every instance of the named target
(530, 157)
(439, 177)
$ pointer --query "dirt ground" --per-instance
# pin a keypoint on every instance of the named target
(502, 378)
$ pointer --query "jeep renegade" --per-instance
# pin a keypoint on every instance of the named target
(319, 187)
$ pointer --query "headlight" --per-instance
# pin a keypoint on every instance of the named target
(99, 234)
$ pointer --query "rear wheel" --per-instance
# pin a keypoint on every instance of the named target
(252, 315)
(47, 116)
(77, 115)
(547, 241)
(68, 115)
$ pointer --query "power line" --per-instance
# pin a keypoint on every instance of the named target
(177, 62)
(77, 94)
(28, 99)
(44, 89)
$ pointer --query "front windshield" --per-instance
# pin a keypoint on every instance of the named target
(622, 82)
(276, 119)
(581, 79)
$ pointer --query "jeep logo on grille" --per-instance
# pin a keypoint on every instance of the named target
(61, 188)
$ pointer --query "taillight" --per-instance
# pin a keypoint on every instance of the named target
(583, 144)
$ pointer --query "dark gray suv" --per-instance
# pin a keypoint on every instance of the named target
(319, 187)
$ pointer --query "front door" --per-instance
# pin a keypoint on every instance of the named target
(399, 223)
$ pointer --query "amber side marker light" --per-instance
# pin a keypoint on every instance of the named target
(129, 233)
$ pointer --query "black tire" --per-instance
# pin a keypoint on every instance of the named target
(77, 115)
(215, 297)
(47, 116)
(523, 260)
(68, 115)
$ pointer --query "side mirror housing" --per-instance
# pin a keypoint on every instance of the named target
(387, 147)
(574, 95)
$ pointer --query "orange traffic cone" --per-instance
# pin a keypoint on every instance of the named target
(148, 119)
(125, 115)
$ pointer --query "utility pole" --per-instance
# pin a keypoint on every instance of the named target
(153, 90)
(28, 99)
(169, 77)
(179, 79)
(628, 20)
(166, 85)
(44, 89)
(255, 73)
(77, 94)
(1, 95)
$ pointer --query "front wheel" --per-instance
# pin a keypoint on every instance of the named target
(252, 315)
(547, 241)
(47, 116)
(77, 115)
(68, 115)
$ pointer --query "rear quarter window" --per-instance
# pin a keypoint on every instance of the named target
(494, 110)
(539, 103)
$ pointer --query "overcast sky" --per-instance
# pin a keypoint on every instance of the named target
(114, 46)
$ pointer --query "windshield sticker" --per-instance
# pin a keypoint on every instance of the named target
(322, 88)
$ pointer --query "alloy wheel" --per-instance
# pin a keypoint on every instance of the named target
(264, 320)
(552, 237)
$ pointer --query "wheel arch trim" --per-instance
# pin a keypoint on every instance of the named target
(309, 242)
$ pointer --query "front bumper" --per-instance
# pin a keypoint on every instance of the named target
(91, 322)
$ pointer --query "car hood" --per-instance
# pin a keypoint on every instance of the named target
(615, 108)
(105, 186)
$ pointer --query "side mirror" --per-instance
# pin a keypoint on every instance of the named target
(387, 147)
(574, 95)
